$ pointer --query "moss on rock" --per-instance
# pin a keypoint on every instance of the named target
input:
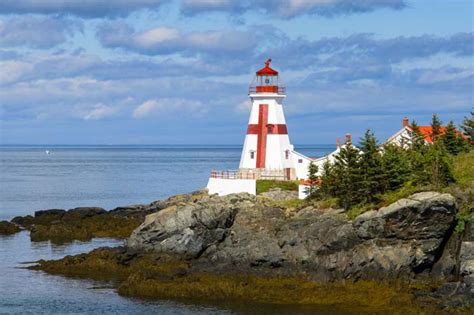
(150, 275)
(103, 225)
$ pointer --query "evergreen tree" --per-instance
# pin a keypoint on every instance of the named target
(452, 141)
(370, 167)
(347, 176)
(435, 128)
(313, 179)
(438, 165)
(328, 183)
(395, 167)
(415, 155)
(468, 126)
(417, 139)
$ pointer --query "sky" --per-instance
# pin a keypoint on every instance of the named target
(177, 72)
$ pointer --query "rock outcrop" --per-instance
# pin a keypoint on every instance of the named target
(8, 228)
(401, 240)
(189, 228)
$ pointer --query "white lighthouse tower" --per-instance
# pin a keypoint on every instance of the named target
(267, 152)
(267, 146)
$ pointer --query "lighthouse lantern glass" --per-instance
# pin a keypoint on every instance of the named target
(268, 80)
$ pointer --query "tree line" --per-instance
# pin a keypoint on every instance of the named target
(360, 175)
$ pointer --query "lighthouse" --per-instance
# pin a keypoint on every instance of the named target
(267, 152)
(267, 145)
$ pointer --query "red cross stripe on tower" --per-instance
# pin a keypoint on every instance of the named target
(262, 129)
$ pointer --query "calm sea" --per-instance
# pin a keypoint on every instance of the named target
(104, 176)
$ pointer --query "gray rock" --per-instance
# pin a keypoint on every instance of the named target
(189, 228)
(466, 258)
(407, 218)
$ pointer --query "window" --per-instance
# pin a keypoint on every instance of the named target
(269, 128)
(252, 154)
(287, 154)
(300, 160)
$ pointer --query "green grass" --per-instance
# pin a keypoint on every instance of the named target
(463, 169)
(264, 185)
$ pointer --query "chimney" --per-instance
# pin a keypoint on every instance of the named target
(338, 142)
(348, 138)
(405, 122)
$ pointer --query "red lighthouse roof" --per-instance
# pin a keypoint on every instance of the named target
(267, 70)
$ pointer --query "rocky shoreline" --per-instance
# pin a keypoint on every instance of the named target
(85, 223)
(270, 250)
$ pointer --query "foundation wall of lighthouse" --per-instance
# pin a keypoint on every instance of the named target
(226, 186)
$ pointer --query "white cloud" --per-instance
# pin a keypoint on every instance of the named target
(166, 105)
(156, 35)
(444, 75)
(243, 107)
(14, 70)
(164, 40)
(100, 111)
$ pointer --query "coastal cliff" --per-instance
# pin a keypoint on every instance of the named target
(266, 250)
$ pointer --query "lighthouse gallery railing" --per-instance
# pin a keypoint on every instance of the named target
(274, 174)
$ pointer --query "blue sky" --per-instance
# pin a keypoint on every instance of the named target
(177, 72)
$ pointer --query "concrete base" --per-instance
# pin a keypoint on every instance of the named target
(302, 191)
(224, 186)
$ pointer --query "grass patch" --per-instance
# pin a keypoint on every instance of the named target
(463, 170)
(328, 203)
(405, 191)
(264, 185)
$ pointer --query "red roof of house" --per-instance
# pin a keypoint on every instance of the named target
(427, 132)
(267, 70)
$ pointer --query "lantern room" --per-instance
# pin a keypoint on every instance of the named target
(267, 81)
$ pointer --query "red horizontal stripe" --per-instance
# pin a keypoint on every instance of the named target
(278, 129)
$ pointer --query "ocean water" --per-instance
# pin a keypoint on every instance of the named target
(108, 176)
(104, 176)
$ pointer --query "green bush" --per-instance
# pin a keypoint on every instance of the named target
(462, 218)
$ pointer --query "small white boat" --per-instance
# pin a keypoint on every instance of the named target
(47, 152)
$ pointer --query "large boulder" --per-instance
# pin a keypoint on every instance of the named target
(408, 218)
(189, 228)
